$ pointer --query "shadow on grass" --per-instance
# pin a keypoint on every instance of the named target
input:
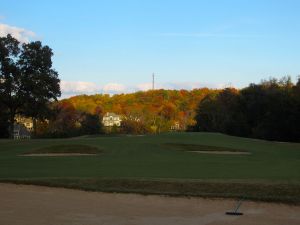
(64, 149)
(191, 147)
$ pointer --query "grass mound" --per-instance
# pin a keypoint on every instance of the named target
(66, 149)
(202, 148)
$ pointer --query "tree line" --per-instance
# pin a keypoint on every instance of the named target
(152, 111)
(29, 86)
(269, 110)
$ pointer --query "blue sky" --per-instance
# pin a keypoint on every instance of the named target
(114, 46)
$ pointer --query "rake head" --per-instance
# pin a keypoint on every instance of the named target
(234, 213)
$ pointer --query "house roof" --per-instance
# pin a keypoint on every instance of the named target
(111, 114)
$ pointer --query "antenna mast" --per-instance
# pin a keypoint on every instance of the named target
(152, 81)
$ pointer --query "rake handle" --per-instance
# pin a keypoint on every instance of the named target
(238, 206)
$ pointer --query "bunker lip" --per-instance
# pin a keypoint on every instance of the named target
(207, 149)
(63, 150)
(222, 152)
(58, 154)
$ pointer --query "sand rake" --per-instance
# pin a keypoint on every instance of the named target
(235, 212)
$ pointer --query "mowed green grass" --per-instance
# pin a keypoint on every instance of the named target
(151, 164)
(64, 149)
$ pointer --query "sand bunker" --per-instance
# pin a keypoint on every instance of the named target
(222, 152)
(57, 154)
(33, 205)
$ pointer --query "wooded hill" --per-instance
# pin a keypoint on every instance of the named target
(269, 110)
(151, 111)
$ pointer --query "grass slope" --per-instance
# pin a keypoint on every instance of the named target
(146, 164)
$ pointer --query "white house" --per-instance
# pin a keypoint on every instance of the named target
(111, 119)
(175, 126)
(20, 131)
(27, 122)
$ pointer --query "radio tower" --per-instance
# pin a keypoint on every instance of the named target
(152, 81)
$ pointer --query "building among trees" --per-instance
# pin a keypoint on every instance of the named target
(27, 122)
(20, 132)
(111, 119)
(175, 126)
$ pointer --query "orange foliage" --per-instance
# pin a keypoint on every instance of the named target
(165, 106)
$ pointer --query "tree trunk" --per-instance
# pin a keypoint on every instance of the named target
(11, 125)
(34, 126)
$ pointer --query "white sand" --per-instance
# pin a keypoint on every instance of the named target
(34, 205)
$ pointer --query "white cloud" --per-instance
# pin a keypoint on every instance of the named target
(177, 86)
(114, 88)
(144, 86)
(71, 88)
(20, 34)
(189, 85)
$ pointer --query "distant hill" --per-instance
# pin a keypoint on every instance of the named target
(160, 108)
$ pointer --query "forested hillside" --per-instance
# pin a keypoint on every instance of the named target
(142, 112)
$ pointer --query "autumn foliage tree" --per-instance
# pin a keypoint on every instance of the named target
(67, 121)
(130, 126)
(156, 110)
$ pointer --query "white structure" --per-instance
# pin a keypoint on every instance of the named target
(111, 119)
(20, 132)
(27, 122)
(175, 126)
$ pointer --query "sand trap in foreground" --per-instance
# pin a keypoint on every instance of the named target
(57, 154)
(222, 152)
(34, 205)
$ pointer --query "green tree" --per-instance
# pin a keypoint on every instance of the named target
(27, 80)
(269, 110)
(206, 114)
(91, 124)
